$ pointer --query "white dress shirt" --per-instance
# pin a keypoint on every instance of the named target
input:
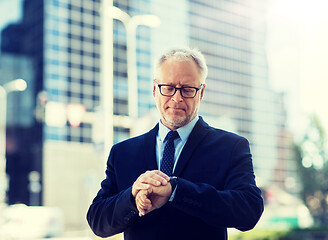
(179, 143)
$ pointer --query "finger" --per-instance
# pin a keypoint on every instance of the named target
(143, 209)
(163, 175)
(142, 204)
(142, 200)
(155, 178)
(139, 186)
(148, 178)
(142, 213)
(165, 178)
(146, 203)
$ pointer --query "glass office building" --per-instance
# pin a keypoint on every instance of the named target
(63, 39)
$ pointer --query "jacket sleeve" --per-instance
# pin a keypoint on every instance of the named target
(238, 205)
(111, 212)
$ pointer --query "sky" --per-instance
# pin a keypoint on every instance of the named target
(297, 47)
(10, 11)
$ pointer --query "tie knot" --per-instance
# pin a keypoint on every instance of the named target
(172, 135)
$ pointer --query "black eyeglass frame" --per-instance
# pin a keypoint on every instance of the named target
(175, 89)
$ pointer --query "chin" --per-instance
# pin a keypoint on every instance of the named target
(176, 122)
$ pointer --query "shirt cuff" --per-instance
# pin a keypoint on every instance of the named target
(173, 194)
(174, 184)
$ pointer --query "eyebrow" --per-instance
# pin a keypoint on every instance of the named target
(175, 85)
(171, 84)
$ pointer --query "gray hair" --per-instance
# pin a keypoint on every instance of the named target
(184, 54)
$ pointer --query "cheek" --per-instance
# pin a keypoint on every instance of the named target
(159, 101)
(192, 106)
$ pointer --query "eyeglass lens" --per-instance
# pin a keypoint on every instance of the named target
(185, 91)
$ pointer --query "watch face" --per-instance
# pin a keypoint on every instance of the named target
(173, 181)
(173, 178)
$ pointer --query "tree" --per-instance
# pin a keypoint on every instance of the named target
(311, 155)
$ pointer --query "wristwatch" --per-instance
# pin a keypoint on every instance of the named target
(173, 182)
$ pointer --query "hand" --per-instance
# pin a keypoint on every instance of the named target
(150, 178)
(152, 198)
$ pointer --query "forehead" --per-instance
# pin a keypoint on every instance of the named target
(179, 72)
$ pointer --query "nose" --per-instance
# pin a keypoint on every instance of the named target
(177, 96)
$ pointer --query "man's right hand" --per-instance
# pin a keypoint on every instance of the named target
(154, 178)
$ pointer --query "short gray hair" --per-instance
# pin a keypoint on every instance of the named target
(184, 54)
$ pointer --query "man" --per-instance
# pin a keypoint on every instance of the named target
(183, 179)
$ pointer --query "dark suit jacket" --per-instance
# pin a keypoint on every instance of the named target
(216, 189)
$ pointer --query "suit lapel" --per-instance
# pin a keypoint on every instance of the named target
(149, 148)
(196, 136)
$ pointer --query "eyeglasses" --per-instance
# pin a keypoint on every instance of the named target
(169, 91)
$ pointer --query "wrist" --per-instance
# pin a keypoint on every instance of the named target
(174, 182)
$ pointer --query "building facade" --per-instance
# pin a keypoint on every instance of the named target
(66, 47)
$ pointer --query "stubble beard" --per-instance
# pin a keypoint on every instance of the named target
(176, 121)
(175, 124)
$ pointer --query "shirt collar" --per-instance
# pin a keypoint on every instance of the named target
(183, 132)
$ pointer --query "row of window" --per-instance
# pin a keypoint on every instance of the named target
(228, 49)
(67, 133)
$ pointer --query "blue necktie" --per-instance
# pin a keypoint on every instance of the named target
(168, 154)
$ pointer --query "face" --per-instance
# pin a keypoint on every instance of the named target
(177, 111)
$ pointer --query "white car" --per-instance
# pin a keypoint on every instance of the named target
(25, 222)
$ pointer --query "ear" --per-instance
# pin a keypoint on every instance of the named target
(202, 91)
(154, 88)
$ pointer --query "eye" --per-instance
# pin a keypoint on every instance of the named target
(169, 88)
(188, 90)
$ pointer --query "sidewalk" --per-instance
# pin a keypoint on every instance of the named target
(82, 235)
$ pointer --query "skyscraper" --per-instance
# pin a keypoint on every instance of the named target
(22, 44)
(63, 38)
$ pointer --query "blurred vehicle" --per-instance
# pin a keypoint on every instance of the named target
(24, 222)
(283, 210)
